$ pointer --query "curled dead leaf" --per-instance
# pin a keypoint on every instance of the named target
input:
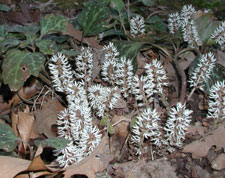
(200, 148)
(219, 162)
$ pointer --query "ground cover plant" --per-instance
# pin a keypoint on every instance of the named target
(118, 87)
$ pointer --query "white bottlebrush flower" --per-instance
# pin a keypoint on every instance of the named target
(124, 75)
(84, 65)
(219, 34)
(187, 12)
(203, 71)
(111, 52)
(103, 98)
(61, 72)
(190, 33)
(64, 123)
(137, 26)
(142, 88)
(108, 71)
(174, 22)
(75, 88)
(91, 139)
(69, 155)
(217, 101)
(156, 74)
(146, 127)
(177, 124)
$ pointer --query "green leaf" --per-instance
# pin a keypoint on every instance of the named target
(55, 142)
(206, 26)
(104, 121)
(216, 75)
(111, 130)
(149, 3)
(133, 122)
(70, 53)
(52, 24)
(47, 46)
(8, 140)
(129, 49)
(93, 18)
(117, 4)
(18, 66)
(113, 32)
(4, 8)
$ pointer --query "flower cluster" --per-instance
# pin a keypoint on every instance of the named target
(174, 22)
(203, 71)
(109, 63)
(176, 125)
(103, 98)
(157, 74)
(217, 101)
(75, 122)
(61, 72)
(186, 23)
(147, 127)
(137, 26)
(219, 34)
(84, 64)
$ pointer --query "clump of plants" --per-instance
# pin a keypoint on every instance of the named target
(135, 52)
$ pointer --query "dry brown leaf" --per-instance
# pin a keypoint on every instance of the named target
(37, 167)
(200, 148)
(25, 125)
(11, 166)
(96, 162)
(26, 92)
(46, 117)
(219, 162)
(71, 31)
(196, 129)
(121, 129)
(160, 168)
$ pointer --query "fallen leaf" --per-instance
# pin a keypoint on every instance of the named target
(196, 129)
(11, 166)
(46, 117)
(96, 162)
(200, 148)
(71, 31)
(159, 168)
(37, 167)
(121, 129)
(219, 162)
(25, 126)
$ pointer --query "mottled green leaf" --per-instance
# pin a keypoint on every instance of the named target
(113, 32)
(93, 18)
(4, 8)
(18, 66)
(206, 26)
(8, 140)
(117, 4)
(70, 53)
(2, 33)
(104, 121)
(47, 46)
(111, 130)
(129, 49)
(55, 142)
(148, 2)
(53, 23)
